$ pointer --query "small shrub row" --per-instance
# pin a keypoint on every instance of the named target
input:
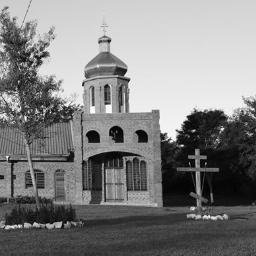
(46, 214)
(30, 200)
(3, 200)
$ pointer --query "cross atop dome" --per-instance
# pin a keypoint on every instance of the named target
(104, 27)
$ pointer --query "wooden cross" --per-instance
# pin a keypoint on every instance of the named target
(104, 26)
(197, 157)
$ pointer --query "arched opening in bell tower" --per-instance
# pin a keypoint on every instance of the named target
(107, 98)
(116, 134)
(120, 99)
(92, 99)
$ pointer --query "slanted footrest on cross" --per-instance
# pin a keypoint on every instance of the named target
(196, 196)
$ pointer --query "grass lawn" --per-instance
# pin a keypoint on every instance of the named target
(120, 230)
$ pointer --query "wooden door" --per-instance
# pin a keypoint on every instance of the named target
(60, 185)
(114, 184)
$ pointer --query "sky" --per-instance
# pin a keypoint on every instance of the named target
(181, 54)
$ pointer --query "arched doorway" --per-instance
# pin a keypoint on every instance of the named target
(59, 185)
(105, 176)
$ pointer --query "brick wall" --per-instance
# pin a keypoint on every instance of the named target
(5, 184)
(82, 123)
(48, 169)
(150, 151)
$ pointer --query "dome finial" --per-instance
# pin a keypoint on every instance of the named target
(104, 26)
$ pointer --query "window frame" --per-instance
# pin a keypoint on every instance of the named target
(107, 94)
(142, 136)
(113, 134)
(136, 179)
(92, 96)
(93, 140)
(86, 175)
(40, 181)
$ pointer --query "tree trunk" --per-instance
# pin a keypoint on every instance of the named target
(32, 173)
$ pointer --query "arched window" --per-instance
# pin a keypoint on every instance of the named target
(136, 175)
(86, 175)
(60, 185)
(116, 134)
(39, 177)
(114, 163)
(107, 95)
(120, 98)
(120, 95)
(96, 174)
(93, 137)
(143, 175)
(129, 175)
(142, 136)
(92, 96)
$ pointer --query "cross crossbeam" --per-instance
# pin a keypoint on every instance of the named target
(197, 169)
(189, 169)
(197, 157)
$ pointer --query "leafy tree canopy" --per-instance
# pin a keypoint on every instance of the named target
(240, 135)
(28, 101)
(202, 129)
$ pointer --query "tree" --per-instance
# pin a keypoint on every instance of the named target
(240, 133)
(169, 150)
(202, 129)
(28, 101)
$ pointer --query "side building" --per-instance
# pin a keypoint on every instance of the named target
(105, 155)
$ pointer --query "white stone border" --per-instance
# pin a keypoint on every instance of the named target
(207, 217)
(50, 226)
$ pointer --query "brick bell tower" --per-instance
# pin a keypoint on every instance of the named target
(117, 153)
(105, 87)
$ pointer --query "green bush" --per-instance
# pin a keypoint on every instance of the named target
(3, 200)
(46, 214)
(31, 200)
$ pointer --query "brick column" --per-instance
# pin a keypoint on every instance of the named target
(97, 98)
(103, 182)
(125, 181)
(114, 96)
(157, 159)
(78, 152)
(127, 103)
(8, 177)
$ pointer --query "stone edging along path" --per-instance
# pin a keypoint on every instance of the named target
(207, 217)
(50, 226)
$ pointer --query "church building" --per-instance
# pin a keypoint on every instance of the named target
(105, 155)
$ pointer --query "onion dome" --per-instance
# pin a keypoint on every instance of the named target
(105, 63)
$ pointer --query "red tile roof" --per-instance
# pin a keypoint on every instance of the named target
(58, 141)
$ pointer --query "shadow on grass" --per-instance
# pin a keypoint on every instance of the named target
(142, 221)
(170, 200)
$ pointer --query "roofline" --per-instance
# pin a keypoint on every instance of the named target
(108, 65)
(106, 76)
(44, 157)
